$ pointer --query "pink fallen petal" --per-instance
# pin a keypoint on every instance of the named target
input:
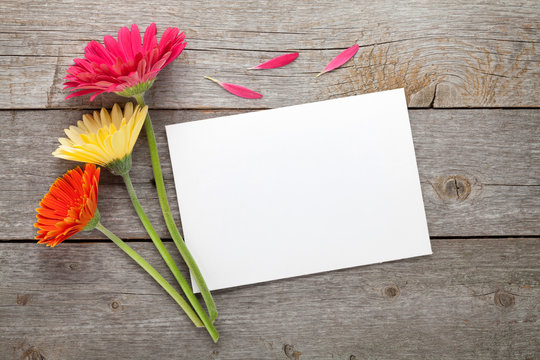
(237, 90)
(340, 59)
(277, 62)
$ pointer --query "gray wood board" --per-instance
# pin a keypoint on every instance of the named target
(478, 168)
(472, 299)
(446, 54)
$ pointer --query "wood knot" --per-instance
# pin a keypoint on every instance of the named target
(290, 352)
(32, 354)
(352, 357)
(456, 188)
(116, 305)
(504, 299)
(73, 266)
(23, 299)
(391, 291)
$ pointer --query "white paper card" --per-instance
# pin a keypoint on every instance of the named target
(298, 190)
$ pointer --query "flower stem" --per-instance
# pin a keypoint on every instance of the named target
(168, 259)
(169, 220)
(153, 272)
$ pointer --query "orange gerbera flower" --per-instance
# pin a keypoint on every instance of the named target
(69, 207)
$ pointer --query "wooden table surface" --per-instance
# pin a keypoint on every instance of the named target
(471, 71)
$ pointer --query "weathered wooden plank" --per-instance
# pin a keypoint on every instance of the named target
(478, 168)
(472, 299)
(446, 54)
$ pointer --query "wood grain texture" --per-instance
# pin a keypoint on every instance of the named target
(472, 299)
(478, 168)
(450, 53)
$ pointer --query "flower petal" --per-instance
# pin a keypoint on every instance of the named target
(124, 39)
(125, 66)
(237, 90)
(69, 206)
(277, 62)
(150, 40)
(104, 136)
(136, 45)
(341, 59)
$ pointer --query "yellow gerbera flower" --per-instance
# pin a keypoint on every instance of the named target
(104, 138)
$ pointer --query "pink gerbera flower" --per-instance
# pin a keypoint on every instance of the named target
(127, 66)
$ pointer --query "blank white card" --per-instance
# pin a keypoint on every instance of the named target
(298, 190)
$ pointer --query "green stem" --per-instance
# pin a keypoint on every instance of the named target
(150, 270)
(168, 259)
(169, 220)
